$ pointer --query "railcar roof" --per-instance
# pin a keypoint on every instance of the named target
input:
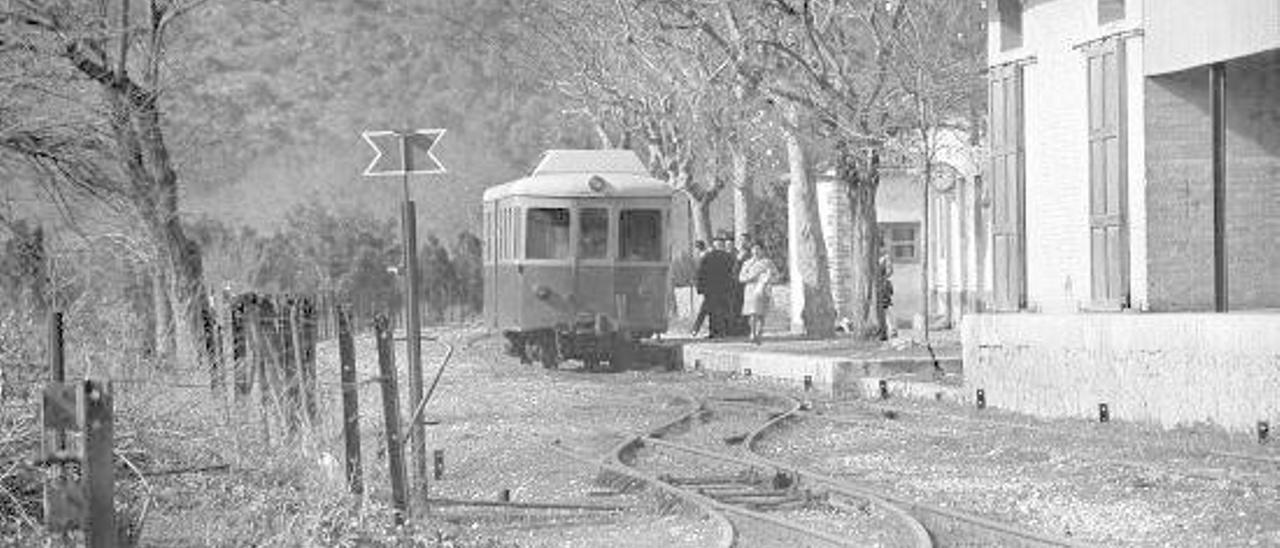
(578, 185)
(568, 174)
(594, 161)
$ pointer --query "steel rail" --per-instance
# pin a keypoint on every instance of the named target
(727, 536)
(911, 507)
(920, 537)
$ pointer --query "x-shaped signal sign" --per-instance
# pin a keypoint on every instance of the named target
(403, 152)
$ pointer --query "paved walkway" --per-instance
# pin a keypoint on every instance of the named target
(839, 367)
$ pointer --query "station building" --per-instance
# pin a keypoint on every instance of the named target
(1134, 178)
(950, 245)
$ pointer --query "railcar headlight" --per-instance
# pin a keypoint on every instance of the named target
(597, 183)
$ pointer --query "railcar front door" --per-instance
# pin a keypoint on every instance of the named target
(593, 265)
(640, 281)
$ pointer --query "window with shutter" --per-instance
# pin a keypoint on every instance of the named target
(1108, 227)
(1110, 10)
(1010, 23)
(1007, 188)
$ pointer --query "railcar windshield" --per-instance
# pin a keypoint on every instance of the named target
(640, 235)
(593, 240)
(548, 233)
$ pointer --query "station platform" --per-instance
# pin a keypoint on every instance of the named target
(839, 367)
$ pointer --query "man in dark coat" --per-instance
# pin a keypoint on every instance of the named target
(715, 283)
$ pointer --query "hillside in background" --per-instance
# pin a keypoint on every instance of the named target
(268, 104)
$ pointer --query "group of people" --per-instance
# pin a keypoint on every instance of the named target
(735, 288)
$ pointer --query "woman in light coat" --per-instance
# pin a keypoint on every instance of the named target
(756, 275)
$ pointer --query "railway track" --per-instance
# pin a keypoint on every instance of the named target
(708, 455)
(1181, 461)
(767, 506)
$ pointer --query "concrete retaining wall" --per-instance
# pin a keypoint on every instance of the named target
(831, 375)
(1166, 369)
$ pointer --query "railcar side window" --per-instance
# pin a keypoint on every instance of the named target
(548, 233)
(640, 235)
(593, 241)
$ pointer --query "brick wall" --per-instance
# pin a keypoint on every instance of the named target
(1253, 181)
(1179, 195)
(1179, 192)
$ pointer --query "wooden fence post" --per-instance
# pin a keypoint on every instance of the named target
(99, 470)
(350, 402)
(391, 417)
(297, 339)
(287, 363)
(57, 367)
(310, 332)
(240, 346)
(262, 322)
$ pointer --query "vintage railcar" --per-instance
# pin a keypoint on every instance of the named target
(577, 258)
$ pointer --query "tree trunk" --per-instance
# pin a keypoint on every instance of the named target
(861, 178)
(812, 311)
(162, 312)
(145, 158)
(743, 198)
(141, 295)
(700, 217)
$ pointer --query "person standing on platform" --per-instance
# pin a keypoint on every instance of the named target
(700, 250)
(714, 276)
(758, 274)
(886, 294)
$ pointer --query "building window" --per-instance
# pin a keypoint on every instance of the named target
(1110, 10)
(640, 235)
(548, 232)
(901, 242)
(593, 237)
(1010, 23)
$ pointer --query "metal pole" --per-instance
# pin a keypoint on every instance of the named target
(413, 330)
(1217, 94)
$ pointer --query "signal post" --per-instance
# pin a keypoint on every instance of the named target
(404, 153)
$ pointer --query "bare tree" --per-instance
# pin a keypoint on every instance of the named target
(84, 107)
(842, 65)
(635, 86)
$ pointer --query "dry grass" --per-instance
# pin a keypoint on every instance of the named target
(199, 467)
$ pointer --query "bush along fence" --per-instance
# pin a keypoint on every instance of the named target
(270, 344)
